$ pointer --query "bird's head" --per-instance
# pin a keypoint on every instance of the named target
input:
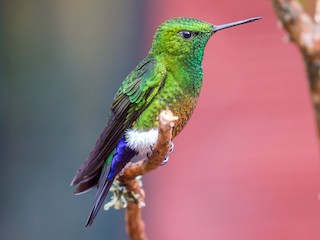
(186, 37)
(181, 36)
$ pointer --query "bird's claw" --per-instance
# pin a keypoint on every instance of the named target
(171, 147)
(166, 159)
(151, 151)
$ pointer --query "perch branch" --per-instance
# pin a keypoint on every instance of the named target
(134, 223)
(305, 33)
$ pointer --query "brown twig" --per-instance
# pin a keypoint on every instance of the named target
(134, 223)
(305, 33)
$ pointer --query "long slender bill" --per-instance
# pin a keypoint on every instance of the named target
(227, 25)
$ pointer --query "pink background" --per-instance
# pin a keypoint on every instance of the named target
(247, 165)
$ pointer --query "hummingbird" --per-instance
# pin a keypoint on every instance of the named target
(170, 77)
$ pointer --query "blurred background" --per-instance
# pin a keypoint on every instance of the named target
(245, 167)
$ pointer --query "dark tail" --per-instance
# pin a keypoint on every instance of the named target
(114, 164)
(101, 195)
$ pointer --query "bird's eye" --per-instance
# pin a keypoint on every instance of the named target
(187, 34)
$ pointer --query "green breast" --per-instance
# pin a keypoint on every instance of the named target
(179, 94)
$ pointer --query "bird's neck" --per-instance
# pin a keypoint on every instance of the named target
(188, 59)
(186, 70)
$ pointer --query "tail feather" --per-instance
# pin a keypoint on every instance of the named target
(84, 187)
(101, 195)
(114, 164)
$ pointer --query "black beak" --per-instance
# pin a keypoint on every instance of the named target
(217, 28)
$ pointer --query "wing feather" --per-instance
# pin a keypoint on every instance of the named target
(134, 95)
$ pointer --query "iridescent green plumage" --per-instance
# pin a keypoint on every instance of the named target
(169, 77)
(181, 58)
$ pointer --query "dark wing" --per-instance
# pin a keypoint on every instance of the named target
(134, 95)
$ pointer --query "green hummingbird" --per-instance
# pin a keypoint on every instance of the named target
(170, 77)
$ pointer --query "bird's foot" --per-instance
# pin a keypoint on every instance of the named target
(149, 153)
(171, 147)
(166, 159)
